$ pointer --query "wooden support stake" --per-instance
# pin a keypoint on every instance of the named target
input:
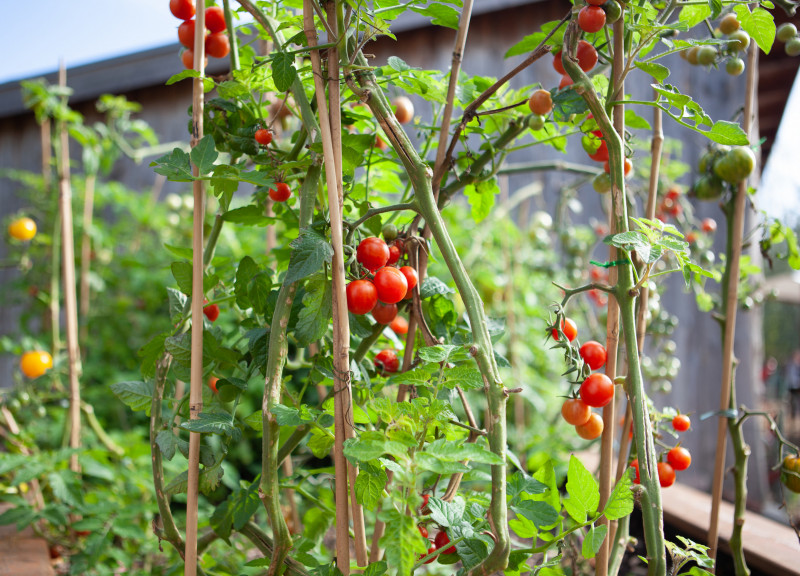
(196, 367)
(731, 306)
(68, 280)
(341, 327)
(86, 254)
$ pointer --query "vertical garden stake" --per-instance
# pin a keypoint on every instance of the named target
(731, 304)
(342, 399)
(196, 367)
(68, 272)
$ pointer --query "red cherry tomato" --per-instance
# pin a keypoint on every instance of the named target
(441, 540)
(384, 313)
(181, 9)
(666, 475)
(709, 225)
(587, 55)
(263, 136)
(681, 423)
(597, 390)
(372, 253)
(591, 19)
(215, 19)
(557, 64)
(424, 507)
(387, 361)
(596, 2)
(594, 354)
(569, 328)
(186, 33)
(422, 530)
(592, 429)
(281, 192)
(361, 296)
(212, 383)
(217, 45)
(626, 169)
(601, 154)
(679, 458)
(541, 102)
(391, 284)
(576, 412)
(635, 465)
(673, 193)
(211, 312)
(431, 550)
(399, 325)
(565, 81)
(411, 276)
(394, 255)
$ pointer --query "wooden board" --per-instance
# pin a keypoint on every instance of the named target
(22, 553)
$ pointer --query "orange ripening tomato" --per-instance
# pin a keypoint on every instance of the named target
(399, 325)
(36, 363)
(576, 412)
(592, 429)
(23, 229)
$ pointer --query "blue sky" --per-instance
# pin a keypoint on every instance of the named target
(80, 31)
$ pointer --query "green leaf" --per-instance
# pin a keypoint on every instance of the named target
(213, 423)
(432, 286)
(370, 483)
(436, 353)
(481, 198)
(594, 540)
(401, 540)
(584, 494)
(289, 416)
(398, 64)
(759, 23)
(316, 313)
(633, 120)
(657, 71)
(310, 251)
(417, 377)
(520, 484)
(283, 71)
(320, 443)
(472, 551)
(376, 569)
(210, 479)
(620, 503)
(204, 154)
(468, 377)
(244, 273)
(440, 15)
(167, 443)
(136, 395)
(150, 354)
(728, 133)
(175, 166)
(540, 513)
(693, 15)
(182, 272)
(22, 516)
(250, 215)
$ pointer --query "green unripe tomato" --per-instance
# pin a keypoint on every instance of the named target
(227, 392)
(707, 55)
(536, 122)
(736, 164)
(389, 232)
(708, 187)
(613, 11)
(786, 32)
(739, 41)
(692, 55)
(792, 47)
(602, 183)
(729, 24)
(734, 66)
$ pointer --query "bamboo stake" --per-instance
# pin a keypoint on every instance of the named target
(196, 367)
(731, 305)
(68, 272)
(333, 10)
(86, 254)
(612, 321)
(341, 328)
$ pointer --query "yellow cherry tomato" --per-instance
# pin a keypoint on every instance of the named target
(22, 229)
(36, 363)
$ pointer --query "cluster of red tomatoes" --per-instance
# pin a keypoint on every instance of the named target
(441, 540)
(596, 391)
(596, 296)
(216, 41)
(379, 292)
(678, 458)
(670, 205)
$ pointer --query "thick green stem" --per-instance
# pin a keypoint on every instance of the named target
(420, 176)
(170, 531)
(226, 6)
(265, 545)
(269, 489)
(652, 513)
